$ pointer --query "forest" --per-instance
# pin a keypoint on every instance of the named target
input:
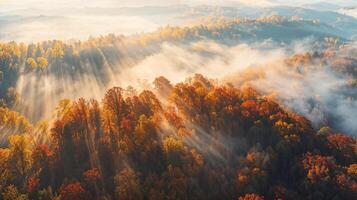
(192, 140)
(240, 102)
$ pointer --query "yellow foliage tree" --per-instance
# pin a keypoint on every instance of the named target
(31, 62)
(42, 63)
(20, 155)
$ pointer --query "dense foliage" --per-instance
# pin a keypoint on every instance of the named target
(30, 70)
(192, 140)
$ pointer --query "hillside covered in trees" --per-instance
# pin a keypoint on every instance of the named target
(177, 102)
(76, 67)
(193, 140)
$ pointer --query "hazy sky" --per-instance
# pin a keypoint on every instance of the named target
(56, 3)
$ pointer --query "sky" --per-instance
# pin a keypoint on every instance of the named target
(11, 6)
(56, 3)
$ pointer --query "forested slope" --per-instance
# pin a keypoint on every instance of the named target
(193, 140)
(282, 129)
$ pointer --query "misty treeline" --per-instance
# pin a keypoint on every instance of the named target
(321, 86)
(35, 75)
(193, 140)
(68, 59)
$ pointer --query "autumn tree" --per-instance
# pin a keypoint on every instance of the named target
(73, 191)
(42, 63)
(43, 164)
(128, 185)
(251, 196)
(19, 162)
(31, 63)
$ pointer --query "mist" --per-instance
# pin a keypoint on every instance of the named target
(175, 62)
(36, 29)
(313, 91)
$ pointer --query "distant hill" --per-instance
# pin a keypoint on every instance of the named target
(338, 21)
(128, 20)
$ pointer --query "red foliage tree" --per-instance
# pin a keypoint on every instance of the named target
(32, 184)
(91, 175)
(318, 168)
(251, 196)
(73, 191)
(343, 146)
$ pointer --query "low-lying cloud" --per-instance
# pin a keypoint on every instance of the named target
(311, 91)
